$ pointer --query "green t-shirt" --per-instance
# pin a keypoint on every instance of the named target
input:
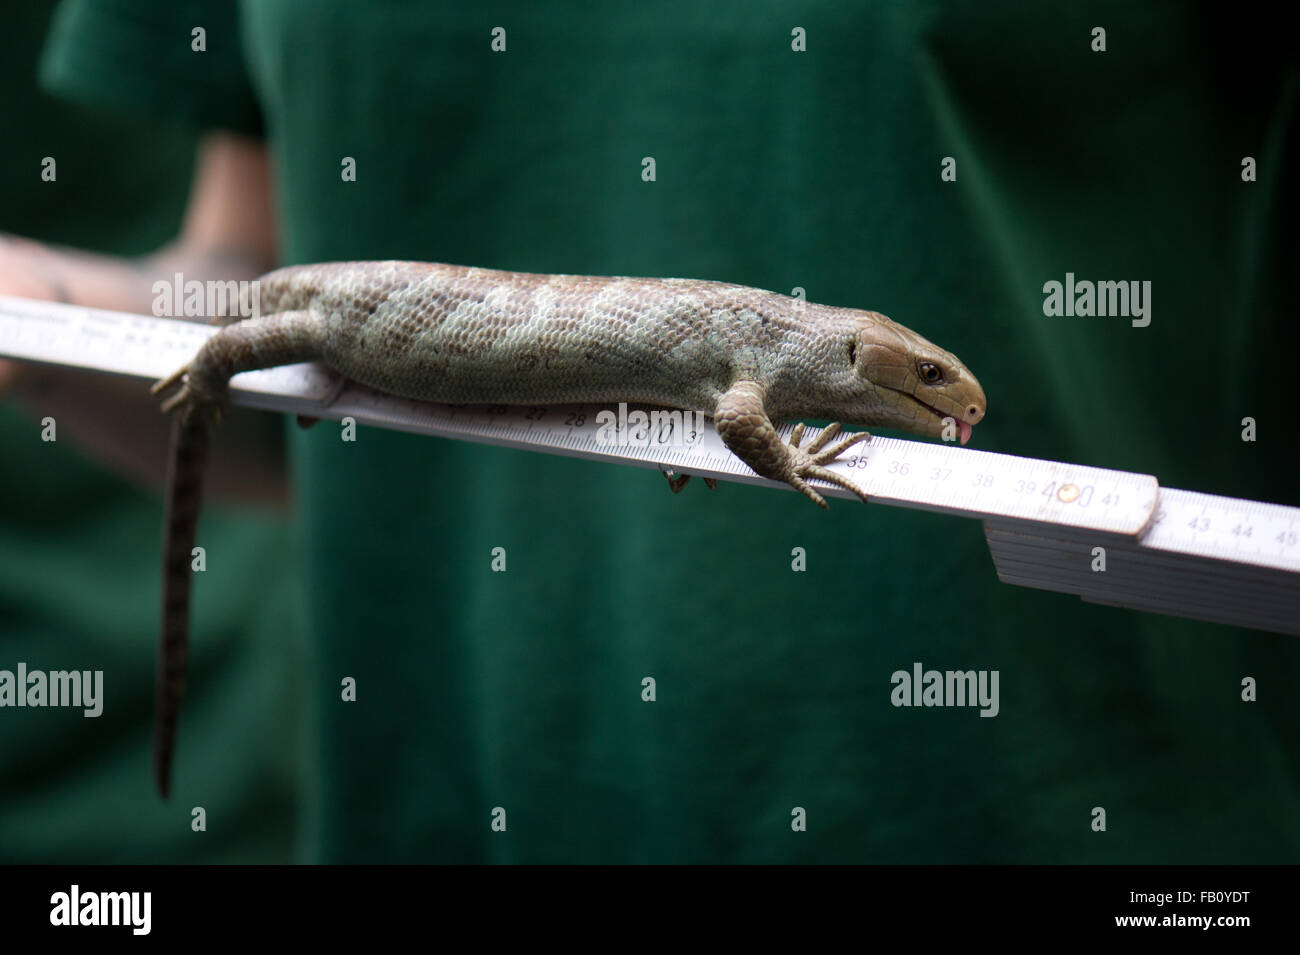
(79, 561)
(521, 691)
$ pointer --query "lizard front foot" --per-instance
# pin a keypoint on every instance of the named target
(810, 462)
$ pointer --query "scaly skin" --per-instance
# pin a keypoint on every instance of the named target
(460, 335)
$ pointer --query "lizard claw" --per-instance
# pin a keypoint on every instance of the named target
(678, 481)
(170, 382)
(167, 384)
(178, 400)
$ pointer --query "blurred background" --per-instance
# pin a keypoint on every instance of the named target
(776, 168)
(79, 554)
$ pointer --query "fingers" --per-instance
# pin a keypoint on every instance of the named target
(832, 477)
(168, 383)
(830, 454)
(828, 432)
(800, 485)
(175, 401)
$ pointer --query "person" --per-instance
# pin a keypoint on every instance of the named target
(78, 544)
(940, 166)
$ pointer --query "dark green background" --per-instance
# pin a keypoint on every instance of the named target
(777, 169)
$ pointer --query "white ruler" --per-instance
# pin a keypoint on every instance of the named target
(1167, 551)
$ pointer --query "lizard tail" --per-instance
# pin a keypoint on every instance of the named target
(192, 427)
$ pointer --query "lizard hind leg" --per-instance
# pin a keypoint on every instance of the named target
(282, 338)
(180, 396)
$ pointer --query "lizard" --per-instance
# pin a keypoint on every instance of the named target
(462, 335)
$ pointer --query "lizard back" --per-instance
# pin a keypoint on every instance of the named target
(469, 335)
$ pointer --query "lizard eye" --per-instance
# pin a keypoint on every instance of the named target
(930, 373)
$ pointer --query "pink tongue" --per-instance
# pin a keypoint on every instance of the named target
(965, 431)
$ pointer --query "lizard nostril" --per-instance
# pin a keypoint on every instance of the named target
(973, 411)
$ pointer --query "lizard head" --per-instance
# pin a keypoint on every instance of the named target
(913, 384)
